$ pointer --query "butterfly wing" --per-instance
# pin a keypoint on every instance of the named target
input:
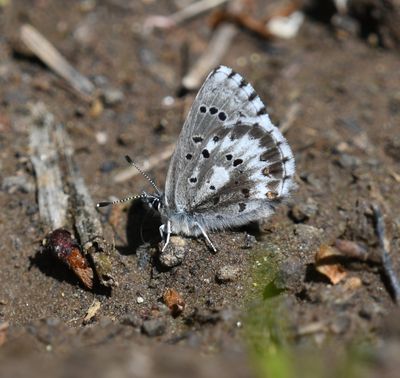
(230, 165)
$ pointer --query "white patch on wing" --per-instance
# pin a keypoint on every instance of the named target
(248, 89)
(211, 145)
(290, 167)
(219, 177)
(225, 70)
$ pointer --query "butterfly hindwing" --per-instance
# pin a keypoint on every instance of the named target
(239, 176)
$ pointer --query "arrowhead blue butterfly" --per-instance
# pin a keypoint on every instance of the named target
(231, 165)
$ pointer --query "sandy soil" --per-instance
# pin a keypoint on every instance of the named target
(276, 309)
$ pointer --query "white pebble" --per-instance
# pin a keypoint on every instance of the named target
(101, 137)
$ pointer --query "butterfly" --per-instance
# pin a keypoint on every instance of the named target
(231, 165)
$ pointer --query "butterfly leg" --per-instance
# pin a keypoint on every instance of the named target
(162, 232)
(206, 237)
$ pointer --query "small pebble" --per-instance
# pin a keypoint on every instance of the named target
(249, 241)
(143, 256)
(112, 97)
(348, 161)
(174, 253)
(31, 209)
(303, 211)
(101, 137)
(126, 139)
(108, 166)
(20, 183)
(131, 320)
(168, 101)
(340, 325)
(153, 327)
(227, 273)
(139, 300)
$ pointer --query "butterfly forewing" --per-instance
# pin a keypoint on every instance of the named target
(224, 97)
(230, 162)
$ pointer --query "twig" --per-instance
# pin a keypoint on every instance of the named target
(191, 11)
(87, 222)
(45, 51)
(216, 49)
(52, 200)
(387, 262)
(290, 118)
(196, 9)
(145, 165)
(245, 21)
(3, 332)
(218, 46)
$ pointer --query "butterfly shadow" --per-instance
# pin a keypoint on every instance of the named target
(142, 228)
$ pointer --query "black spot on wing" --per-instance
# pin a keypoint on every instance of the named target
(242, 206)
(252, 96)
(246, 192)
(222, 116)
(262, 111)
(205, 153)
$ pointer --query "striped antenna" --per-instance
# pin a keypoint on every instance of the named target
(153, 184)
(107, 203)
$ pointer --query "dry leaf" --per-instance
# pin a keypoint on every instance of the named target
(174, 301)
(325, 264)
(92, 311)
(3, 332)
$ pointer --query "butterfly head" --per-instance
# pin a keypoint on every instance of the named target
(154, 201)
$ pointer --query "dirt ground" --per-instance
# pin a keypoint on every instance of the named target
(275, 315)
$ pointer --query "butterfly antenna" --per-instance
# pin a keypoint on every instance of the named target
(107, 203)
(153, 184)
